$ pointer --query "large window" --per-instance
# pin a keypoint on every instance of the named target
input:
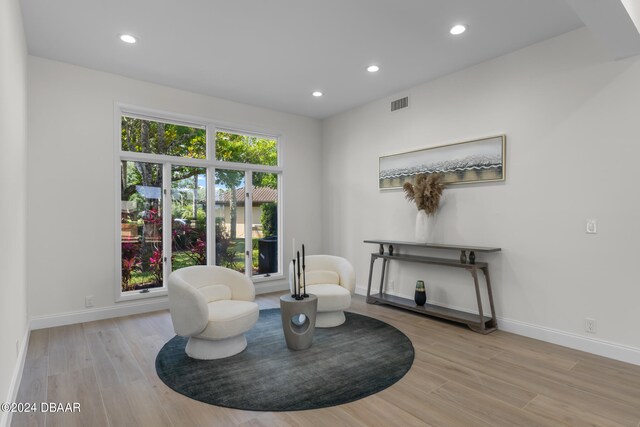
(141, 225)
(221, 188)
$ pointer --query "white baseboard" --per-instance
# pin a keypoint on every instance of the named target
(566, 339)
(89, 315)
(5, 417)
(125, 309)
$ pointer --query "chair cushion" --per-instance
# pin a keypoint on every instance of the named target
(318, 277)
(330, 297)
(229, 318)
(215, 292)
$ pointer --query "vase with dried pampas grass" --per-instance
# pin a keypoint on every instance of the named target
(426, 192)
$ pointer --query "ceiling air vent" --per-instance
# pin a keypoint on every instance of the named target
(400, 103)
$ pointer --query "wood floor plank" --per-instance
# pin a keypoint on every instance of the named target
(617, 411)
(422, 380)
(183, 411)
(144, 351)
(99, 325)
(38, 343)
(81, 386)
(33, 389)
(499, 389)
(143, 325)
(615, 392)
(535, 360)
(326, 417)
(375, 411)
(134, 404)
(270, 419)
(528, 356)
(487, 408)
(114, 362)
(418, 335)
(432, 412)
(562, 413)
(68, 349)
(459, 378)
(609, 373)
(509, 341)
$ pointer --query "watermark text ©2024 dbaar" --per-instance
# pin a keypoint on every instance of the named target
(51, 407)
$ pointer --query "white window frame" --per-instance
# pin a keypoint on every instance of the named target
(210, 164)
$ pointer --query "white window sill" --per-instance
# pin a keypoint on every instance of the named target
(136, 295)
(272, 278)
(161, 292)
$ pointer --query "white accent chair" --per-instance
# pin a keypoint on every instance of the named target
(333, 280)
(214, 307)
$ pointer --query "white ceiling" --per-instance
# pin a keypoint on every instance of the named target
(275, 53)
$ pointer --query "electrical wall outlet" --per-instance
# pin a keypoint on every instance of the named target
(590, 325)
(88, 301)
(591, 226)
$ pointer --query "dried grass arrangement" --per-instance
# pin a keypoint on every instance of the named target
(425, 192)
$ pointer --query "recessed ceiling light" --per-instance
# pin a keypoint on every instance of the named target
(458, 29)
(128, 38)
(317, 93)
(372, 68)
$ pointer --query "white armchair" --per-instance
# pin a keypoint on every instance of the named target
(333, 280)
(214, 307)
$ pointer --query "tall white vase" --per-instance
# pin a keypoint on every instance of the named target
(422, 227)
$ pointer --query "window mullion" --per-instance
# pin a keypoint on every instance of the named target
(196, 163)
(212, 228)
(248, 222)
(211, 143)
(211, 216)
(166, 221)
(281, 234)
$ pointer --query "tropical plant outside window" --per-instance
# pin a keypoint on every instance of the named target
(231, 207)
(141, 225)
(243, 222)
(189, 216)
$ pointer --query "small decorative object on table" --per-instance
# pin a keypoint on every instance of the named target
(420, 295)
(463, 257)
(426, 193)
(390, 250)
(304, 276)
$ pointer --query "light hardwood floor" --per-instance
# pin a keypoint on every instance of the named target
(459, 378)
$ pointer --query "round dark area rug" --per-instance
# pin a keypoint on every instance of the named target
(356, 359)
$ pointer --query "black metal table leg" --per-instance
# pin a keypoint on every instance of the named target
(474, 274)
(384, 268)
(494, 321)
(373, 260)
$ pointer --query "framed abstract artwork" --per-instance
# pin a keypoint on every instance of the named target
(479, 160)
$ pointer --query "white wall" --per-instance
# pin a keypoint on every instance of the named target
(72, 189)
(571, 120)
(13, 176)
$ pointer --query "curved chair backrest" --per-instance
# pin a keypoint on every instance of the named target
(200, 276)
(191, 288)
(342, 267)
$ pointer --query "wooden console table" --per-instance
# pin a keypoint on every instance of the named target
(476, 322)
